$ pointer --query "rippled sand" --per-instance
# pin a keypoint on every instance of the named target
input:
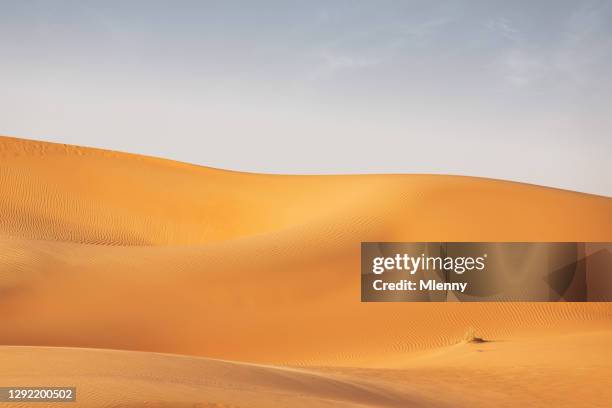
(105, 250)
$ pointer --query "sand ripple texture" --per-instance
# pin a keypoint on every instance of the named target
(107, 250)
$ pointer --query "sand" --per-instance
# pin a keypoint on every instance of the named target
(107, 250)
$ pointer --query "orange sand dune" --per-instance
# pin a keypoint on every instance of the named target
(128, 379)
(110, 250)
(560, 371)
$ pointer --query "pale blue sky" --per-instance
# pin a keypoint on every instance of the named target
(515, 90)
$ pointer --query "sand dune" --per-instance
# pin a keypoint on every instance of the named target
(526, 372)
(270, 306)
(109, 250)
(72, 194)
(147, 379)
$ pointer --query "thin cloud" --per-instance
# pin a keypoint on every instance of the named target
(504, 28)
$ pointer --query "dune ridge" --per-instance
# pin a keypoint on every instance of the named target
(108, 250)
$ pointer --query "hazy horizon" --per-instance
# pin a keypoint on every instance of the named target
(515, 91)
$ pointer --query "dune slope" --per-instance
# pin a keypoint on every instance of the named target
(108, 250)
(527, 372)
(113, 378)
(150, 254)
